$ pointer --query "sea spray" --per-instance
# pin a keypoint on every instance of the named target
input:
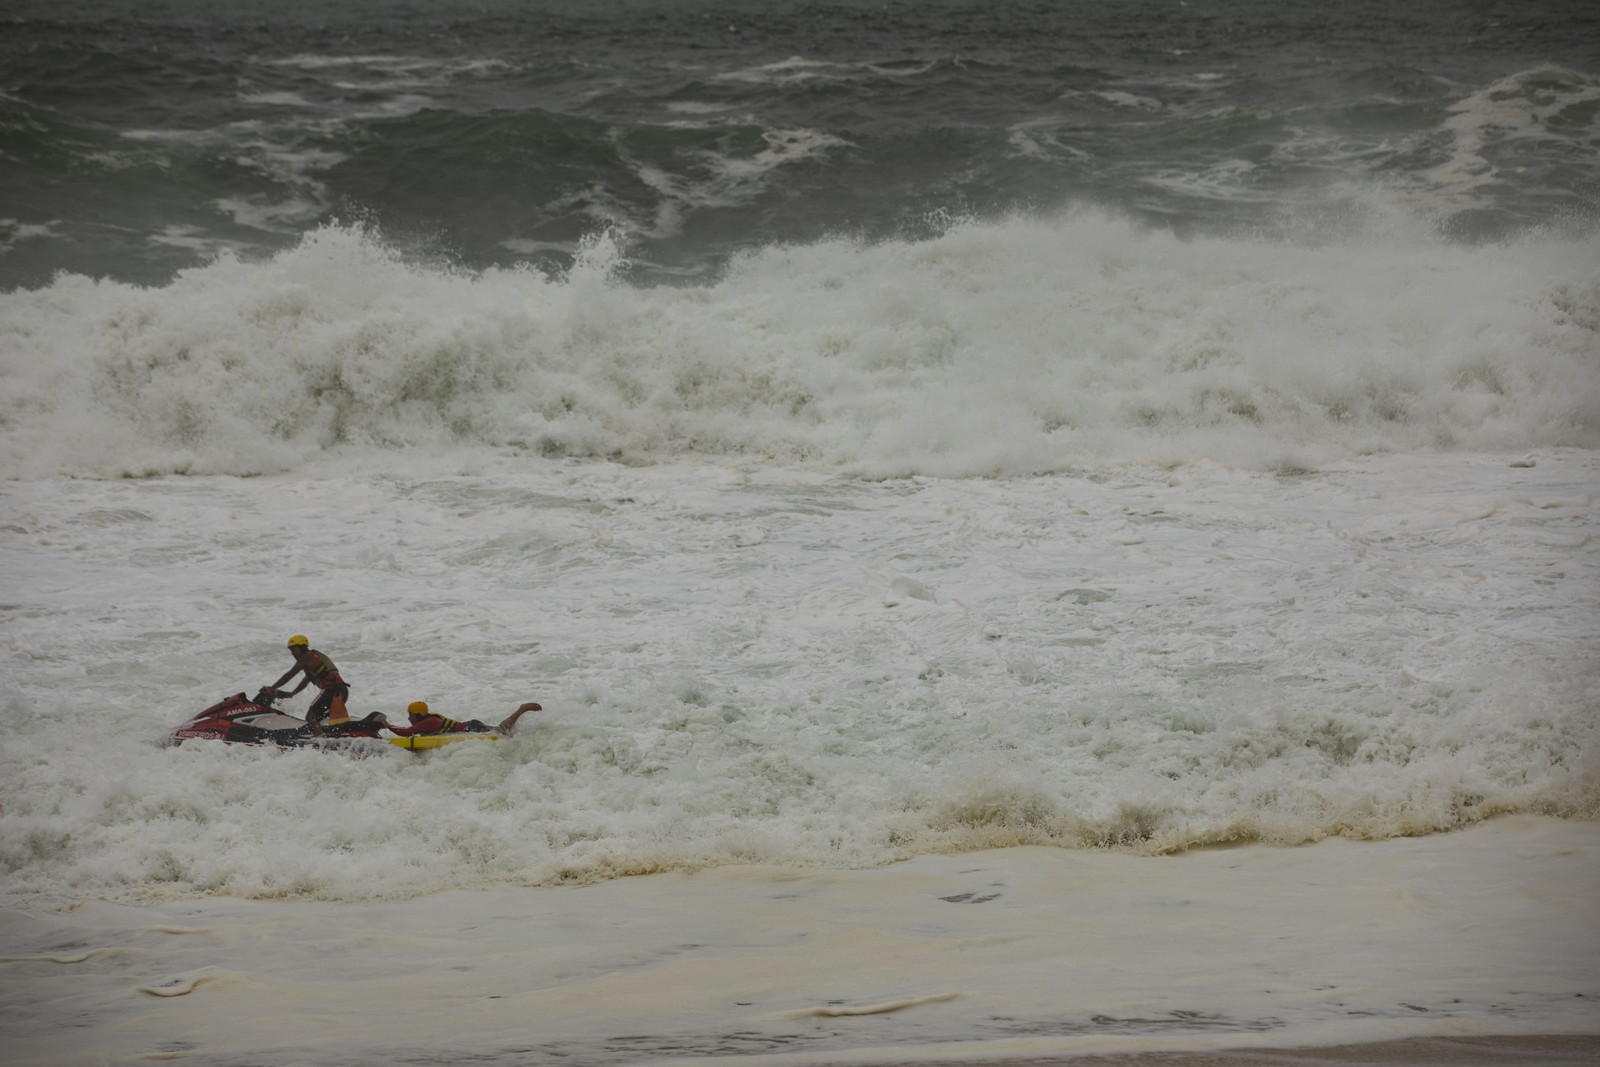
(1029, 345)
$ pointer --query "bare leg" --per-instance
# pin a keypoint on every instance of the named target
(511, 723)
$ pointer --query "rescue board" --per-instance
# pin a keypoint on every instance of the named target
(427, 741)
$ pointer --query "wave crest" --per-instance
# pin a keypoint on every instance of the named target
(1025, 345)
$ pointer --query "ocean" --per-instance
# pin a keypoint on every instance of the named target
(1043, 532)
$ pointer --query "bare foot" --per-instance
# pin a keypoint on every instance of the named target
(511, 723)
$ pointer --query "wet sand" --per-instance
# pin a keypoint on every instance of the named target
(1552, 1050)
(1395, 953)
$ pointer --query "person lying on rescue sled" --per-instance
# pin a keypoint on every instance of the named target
(425, 723)
(320, 672)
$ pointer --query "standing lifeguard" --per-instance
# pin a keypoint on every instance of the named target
(321, 672)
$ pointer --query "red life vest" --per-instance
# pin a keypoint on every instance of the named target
(446, 726)
(320, 670)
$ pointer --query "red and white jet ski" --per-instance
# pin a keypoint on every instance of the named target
(242, 720)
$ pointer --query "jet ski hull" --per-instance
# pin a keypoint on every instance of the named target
(242, 720)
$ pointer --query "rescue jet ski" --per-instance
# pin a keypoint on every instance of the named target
(243, 720)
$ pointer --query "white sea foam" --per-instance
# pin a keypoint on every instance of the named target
(264, 214)
(1517, 107)
(278, 98)
(762, 664)
(388, 64)
(193, 238)
(719, 181)
(697, 107)
(1353, 596)
(13, 232)
(833, 576)
(1018, 346)
(789, 71)
(1125, 99)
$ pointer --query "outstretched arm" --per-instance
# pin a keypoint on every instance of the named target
(423, 727)
(290, 673)
(511, 724)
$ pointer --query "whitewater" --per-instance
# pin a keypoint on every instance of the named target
(1021, 346)
(1215, 613)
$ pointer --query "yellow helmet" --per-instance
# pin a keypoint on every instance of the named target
(417, 707)
(299, 640)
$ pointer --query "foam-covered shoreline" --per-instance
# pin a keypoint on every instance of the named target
(769, 665)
